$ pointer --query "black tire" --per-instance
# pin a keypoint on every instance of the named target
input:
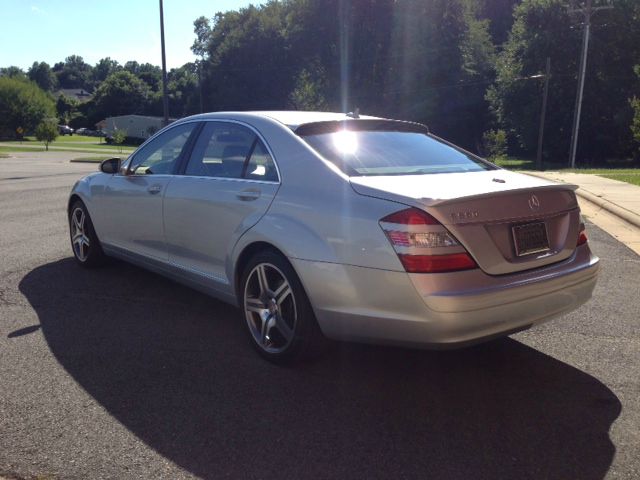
(87, 255)
(305, 340)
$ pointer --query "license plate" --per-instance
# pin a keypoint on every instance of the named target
(530, 238)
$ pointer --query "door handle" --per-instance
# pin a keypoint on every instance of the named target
(153, 189)
(249, 194)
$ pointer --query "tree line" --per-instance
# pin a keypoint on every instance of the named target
(112, 89)
(472, 70)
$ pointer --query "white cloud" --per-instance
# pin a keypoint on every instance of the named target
(37, 10)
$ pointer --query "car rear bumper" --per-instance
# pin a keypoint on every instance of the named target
(445, 309)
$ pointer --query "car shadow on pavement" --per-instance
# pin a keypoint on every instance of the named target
(175, 368)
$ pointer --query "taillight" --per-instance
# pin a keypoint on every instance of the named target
(582, 236)
(423, 244)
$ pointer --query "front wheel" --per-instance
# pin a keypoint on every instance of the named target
(278, 314)
(85, 244)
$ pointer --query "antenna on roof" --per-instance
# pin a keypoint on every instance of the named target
(354, 114)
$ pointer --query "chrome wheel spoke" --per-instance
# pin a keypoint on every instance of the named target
(283, 328)
(267, 324)
(76, 222)
(262, 280)
(254, 305)
(282, 293)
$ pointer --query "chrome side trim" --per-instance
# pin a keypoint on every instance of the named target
(109, 247)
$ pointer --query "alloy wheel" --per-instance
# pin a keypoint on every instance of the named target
(270, 308)
(79, 238)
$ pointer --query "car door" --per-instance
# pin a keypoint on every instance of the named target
(131, 203)
(226, 185)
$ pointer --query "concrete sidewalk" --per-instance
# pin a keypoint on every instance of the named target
(612, 205)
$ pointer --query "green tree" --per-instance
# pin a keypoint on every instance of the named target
(67, 108)
(47, 131)
(122, 93)
(202, 29)
(544, 28)
(41, 73)
(495, 143)
(119, 136)
(308, 91)
(635, 122)
(104, 68)
(182, 87)
(12, 72)
(22, 105)
(74, 72)
(148, 73)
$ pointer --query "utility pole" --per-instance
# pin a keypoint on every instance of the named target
(587, 11)
(200, 83)
(543, 114)
(165, 98)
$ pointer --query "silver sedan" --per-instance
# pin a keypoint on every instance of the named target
(341, 226)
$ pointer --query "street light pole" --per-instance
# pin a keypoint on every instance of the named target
(165, 98)
(587, 11)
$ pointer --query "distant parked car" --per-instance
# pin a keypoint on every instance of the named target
(65, 130)
(83, 131)
(359, 228)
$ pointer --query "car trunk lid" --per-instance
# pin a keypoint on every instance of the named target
(508, 222)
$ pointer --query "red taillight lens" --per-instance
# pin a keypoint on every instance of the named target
(582, 236)
(410, 216)
(415, 234)
(437, 263)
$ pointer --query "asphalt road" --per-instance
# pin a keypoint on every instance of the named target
(119, 373)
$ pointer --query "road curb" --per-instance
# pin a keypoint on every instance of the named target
(608, 205)
(611, 207)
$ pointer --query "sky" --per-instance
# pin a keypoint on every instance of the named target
(51, 30)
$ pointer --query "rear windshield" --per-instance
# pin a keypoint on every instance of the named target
(388, 151)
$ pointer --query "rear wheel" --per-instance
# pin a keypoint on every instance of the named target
(278, 314)
(84, 241)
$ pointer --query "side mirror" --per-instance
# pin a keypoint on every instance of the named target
(110, 166)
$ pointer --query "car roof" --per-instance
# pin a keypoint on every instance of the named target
(292, 119)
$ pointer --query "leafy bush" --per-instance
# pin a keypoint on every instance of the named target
(495, 143)
(23, 105)
(47, 131)
(119, 137)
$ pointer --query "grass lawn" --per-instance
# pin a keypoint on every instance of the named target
(67, 146)
(629, 175)
(8, 149)
(91, 159)
(73, 142)
(632, 177)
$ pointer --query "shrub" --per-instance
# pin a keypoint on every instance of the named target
(119, 137)
(47, 131)
(495, 143)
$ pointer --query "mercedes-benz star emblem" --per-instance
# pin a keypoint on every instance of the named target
(534, 203)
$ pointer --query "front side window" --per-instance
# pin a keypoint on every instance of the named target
(161, 154)
(387, 148)
(228, 150)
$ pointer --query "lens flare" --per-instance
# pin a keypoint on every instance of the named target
(345, 142)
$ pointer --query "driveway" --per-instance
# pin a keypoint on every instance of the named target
(119, 373)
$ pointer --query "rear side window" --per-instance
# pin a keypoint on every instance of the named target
(362, 152)
(228, 150)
